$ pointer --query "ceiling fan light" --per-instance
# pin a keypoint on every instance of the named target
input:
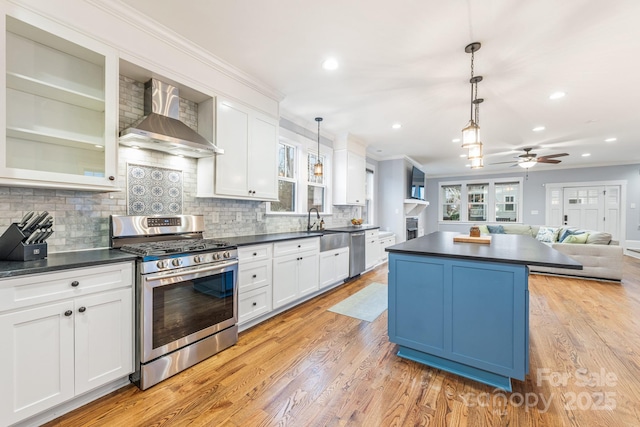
(470, 134)
(528, 164)
(475, 151)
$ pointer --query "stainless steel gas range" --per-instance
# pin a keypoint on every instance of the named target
(186, 292)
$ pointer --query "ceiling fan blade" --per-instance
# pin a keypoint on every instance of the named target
(528, 155)
(541, 160)
(550, 156)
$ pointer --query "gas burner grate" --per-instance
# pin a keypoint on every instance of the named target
(174, 247)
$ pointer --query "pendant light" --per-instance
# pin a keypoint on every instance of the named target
(317, 168)
(471, 132)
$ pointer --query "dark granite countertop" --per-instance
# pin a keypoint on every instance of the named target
(63, 261)
(504, 248)
(352, 229)
(256, 239)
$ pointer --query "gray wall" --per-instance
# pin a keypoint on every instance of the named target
(393, 182)
(535, 192)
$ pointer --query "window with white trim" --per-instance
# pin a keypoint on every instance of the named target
(287, 180)
(315, 184)
(496, 200)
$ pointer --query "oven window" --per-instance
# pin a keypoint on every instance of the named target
(187, 307)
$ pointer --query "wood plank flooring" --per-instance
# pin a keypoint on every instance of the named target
(312, 367)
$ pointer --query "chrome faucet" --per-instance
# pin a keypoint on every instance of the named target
(309, 225)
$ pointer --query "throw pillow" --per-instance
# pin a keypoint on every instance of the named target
(483, 229)
(496, 229)
(599, 238)
(547, 234)
(569, 232)
(576, 238)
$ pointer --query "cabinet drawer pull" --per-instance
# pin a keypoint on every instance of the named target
(254, 276)
(75, 283)
(82, 309)
(337, 254)
(255, 303)
(68, 313)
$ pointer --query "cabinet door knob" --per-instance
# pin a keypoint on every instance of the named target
(82, 309)
(68, 313)
(112, 178)
(255, 303)
(299, 246)
(75, 283)
(255, 275)
(255, 254)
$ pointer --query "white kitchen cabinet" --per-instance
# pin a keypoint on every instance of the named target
(349, 172)
(248, 167)
(385, 242)
(61, 106)
(254, 281)
(64, 333)
(295, 269)
(371, 249)
(334, 266)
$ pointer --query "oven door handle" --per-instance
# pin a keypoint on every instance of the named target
(183, 273)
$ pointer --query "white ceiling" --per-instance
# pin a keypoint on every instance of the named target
(404, 61)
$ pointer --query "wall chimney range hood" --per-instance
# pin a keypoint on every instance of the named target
(160, 128)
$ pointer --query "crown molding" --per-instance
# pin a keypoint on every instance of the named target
(137, 19)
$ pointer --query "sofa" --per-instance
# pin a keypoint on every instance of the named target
(601, 257)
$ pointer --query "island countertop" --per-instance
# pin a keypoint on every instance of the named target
(504, 248)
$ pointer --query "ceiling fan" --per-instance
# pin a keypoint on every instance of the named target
(529, 159)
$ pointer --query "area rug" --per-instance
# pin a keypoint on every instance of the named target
(366, 304)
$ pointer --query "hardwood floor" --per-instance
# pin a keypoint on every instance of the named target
(312, 367)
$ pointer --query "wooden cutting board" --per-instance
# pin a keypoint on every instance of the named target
(465, 238)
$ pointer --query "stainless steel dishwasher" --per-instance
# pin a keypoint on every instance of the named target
(356, 253)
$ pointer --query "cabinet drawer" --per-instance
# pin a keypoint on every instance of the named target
(254, 253)
(371, 234)
(41, 288)
(254, 275)
(296, 246)
(253, 303)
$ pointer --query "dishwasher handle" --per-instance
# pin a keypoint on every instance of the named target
(361, 233)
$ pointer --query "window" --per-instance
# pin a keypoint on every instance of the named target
(315, 184)
(472, 201)
(450, 195)
(286, 180)
(477, 195)
(506, 201)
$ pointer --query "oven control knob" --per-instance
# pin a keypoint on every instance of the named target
(226, 254)
(197, 259)
(162, 263)
(216, 255)
(176, 262)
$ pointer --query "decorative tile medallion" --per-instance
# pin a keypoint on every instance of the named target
(153, 191)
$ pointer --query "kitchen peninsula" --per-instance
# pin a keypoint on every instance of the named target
(464, 307)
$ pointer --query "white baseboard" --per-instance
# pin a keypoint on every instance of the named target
(58, 411)
(632, 248)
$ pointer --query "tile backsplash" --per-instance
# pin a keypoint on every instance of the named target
(81, 218)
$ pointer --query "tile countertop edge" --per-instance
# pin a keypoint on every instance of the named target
(63, 261)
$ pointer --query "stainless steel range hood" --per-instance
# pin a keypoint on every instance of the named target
(160, 128)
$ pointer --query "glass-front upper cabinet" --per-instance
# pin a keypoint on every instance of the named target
(60, 98)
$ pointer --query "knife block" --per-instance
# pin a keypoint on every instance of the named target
(13, 248)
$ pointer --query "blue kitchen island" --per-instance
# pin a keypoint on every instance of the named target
(464, 307)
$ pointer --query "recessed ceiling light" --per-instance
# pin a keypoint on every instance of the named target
(396, 126)
(610, 139)
(378, 151)
(538, 129)
(586, 154)
(468, 165)
(557, 95)
(463, 155)
(455, 140)
(330, 64)
(135, 147)
(98, 146)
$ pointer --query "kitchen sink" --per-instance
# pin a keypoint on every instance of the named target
(329, 241)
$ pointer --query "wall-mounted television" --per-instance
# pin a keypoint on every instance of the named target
(417, 184)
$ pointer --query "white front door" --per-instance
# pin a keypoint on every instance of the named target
(583, 207)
